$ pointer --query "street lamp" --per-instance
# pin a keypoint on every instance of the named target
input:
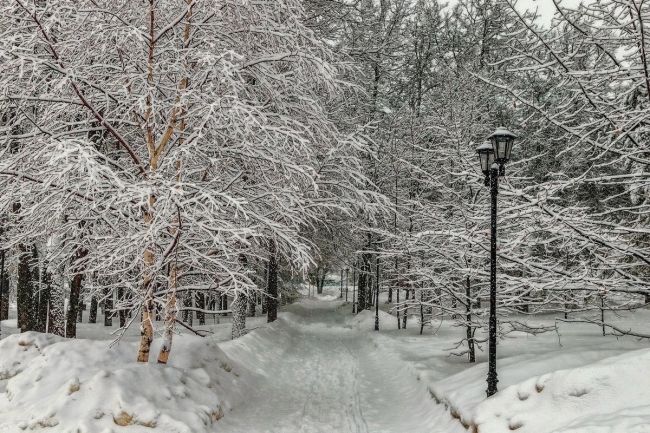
(493, 156)
(347, 277)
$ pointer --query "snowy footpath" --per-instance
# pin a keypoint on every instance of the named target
(326, 375)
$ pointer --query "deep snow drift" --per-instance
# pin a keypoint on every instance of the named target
(83, 386)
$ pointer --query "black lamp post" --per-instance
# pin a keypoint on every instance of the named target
(347, 277)
(493, 156)
(377, 298)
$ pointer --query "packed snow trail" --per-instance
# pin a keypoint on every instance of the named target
(320, 373)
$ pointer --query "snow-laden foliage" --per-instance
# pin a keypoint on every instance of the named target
(150, 147)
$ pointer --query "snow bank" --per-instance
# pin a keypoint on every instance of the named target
(83, 386)
(610, 396)
(365, 320)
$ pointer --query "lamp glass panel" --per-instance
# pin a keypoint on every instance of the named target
(502, 143)
(483, 156)
(509, 148)
(490, 159)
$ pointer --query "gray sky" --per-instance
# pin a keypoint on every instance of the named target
(546, 7)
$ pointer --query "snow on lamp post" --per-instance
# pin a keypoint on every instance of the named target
(493, 156)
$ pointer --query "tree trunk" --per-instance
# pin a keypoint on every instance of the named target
(4, 287)
(80, 309)
(108, 307)
(422, 318)
(399, 321)
(365, 287)
(320, 280)
(25, 291)
(188, 315)
(123, 314)
(468, 318)
(200, 303)
(92, 314)
(57, 306)
(223, 302)
(171, 312)
(272, 288)
(406, 308)
(238, 307)
(73, 307)
(44, 295)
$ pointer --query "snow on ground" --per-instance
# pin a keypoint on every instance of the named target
(572, 358)
(321, 373)
(321, 369)
(612, 395)
(83, 386)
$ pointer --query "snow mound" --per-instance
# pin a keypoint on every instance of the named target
(83, 386)
(365, 320)
(610, 396)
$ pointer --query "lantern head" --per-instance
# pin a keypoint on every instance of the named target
(502, 141)
(485, 156)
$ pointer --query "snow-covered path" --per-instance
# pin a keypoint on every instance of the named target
(325, 375)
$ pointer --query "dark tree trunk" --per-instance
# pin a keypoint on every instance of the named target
(122, 312)
(75, 296)
(73, 307)
(272, 289)
(354, 287)
(406, 309)
(422, 318)
(92, 314)
(602, 313)
(188, 315)
(25, 290)
(377, 297)
(223, 302)
(468, 318)
(4, 288)
(200, 304)
(80, 309)
(365, 283)
(108, 307)
(399, 322)
(361, 289)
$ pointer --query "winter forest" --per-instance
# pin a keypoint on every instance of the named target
(248, 216)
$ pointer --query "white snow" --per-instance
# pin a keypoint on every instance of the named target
(321, 369)
(83, 386)
(610, 396)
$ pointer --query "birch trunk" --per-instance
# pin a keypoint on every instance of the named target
(171, 312)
